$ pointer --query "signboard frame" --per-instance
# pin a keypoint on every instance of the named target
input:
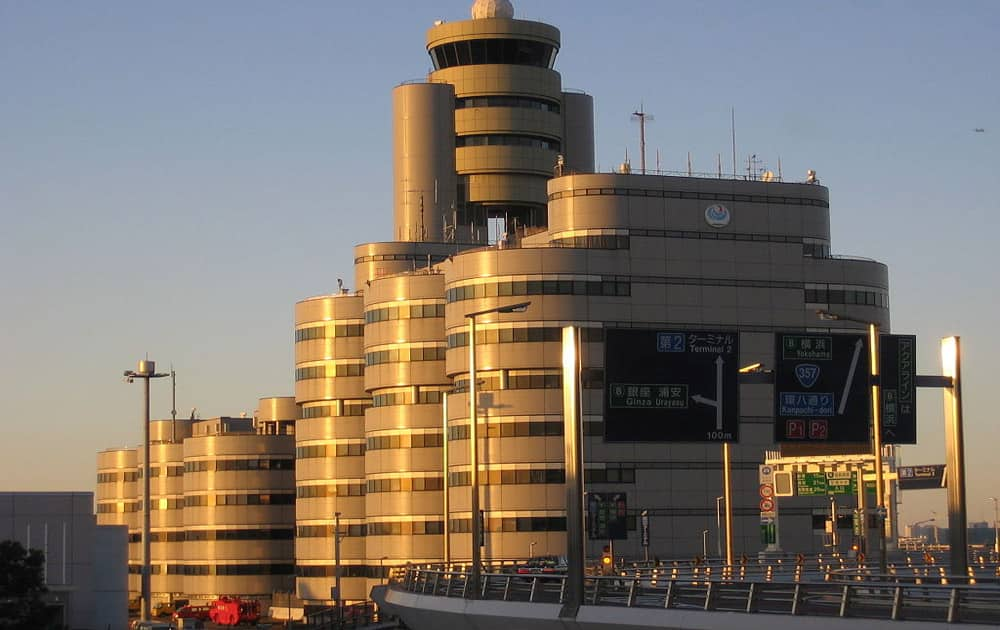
(671, 385)
(821, 388)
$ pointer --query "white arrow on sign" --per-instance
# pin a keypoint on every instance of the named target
(850, 377)
(718, 392)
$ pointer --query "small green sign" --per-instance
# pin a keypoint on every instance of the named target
(648, 396)
(813, 484)
(807, 348)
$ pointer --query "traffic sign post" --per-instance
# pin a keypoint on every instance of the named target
(671, 386)
(821, 388)
(768, 508)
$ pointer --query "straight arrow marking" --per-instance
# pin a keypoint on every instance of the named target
(850, 377)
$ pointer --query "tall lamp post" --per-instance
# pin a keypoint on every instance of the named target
(146, 371)
(477, 533)
(718, 524)
(996, 532)
(873, 347)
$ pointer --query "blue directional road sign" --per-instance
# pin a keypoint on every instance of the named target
(821, 388)
(671, 386)
(898, 375)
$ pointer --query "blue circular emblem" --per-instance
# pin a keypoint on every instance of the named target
(717, 216)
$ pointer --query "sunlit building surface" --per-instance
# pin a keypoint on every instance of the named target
(222, 509)
(496, 202)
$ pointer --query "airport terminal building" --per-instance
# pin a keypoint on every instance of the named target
(496, 202)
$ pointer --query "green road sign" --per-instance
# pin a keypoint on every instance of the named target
(827, 483)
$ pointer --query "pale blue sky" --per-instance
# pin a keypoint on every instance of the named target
(174, 176)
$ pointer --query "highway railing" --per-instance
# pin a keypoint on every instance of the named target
(848, 595)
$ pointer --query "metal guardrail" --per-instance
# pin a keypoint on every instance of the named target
(847, 595)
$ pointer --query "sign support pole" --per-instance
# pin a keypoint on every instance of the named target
(573, 454)
(951, 364)
(728, 493)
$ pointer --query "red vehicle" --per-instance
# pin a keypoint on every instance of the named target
(192, 612)
(229, 611)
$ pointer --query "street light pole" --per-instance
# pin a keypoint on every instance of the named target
(336, 568)
(477, 533)
(996, 532)
(718, 524)
(146, 371)
(876, 390)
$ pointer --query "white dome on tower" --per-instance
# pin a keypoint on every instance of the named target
(492, 9)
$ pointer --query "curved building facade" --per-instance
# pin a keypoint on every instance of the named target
(239, 510)
(330, 446)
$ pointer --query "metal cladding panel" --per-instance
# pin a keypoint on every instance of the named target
(277, 408)
(578, 132)
(424, 180)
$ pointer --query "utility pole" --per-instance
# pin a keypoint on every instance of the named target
(642, 117)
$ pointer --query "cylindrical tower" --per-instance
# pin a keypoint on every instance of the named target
(424, 160)
(509, 129)
(404, 372)
(239, 510)
(578, 133)
(166, 458)
(118, 502)
(330, 446)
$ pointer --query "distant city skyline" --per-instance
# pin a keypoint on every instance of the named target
(175, 177)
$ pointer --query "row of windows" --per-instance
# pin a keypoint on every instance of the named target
(519, 476)
(218, 569)
(594, 241)
(839, 296)
(405, 484)
(324, 331)
(330, 450)
(404, 440)
(329, 371)
(331, 490)
(208, 500)
(512, 524)
(525, 102)
(159, 471)
(198, 535)
(539, 287)
(346, 570)
(424, 397)
(224, 465)
(405, 528)
(175, 503)
(118, 508)
(326, 531)
(717, 236)
(413, 311)
(396, 355)
(609, 475)
(816, 250)
(421, 258)
(521, 334)
(493, 383)
(536, 428)
(507, 140)
(519, 52)
(127, 476)
(346, 408)
(677, 194)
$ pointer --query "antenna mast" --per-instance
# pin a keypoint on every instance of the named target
(732, 127)
(642, 117)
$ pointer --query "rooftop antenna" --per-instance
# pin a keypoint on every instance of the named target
(642, 117)
(657, 160)
(173, 404)
(732, 127)
(689, 164)
(779, 168)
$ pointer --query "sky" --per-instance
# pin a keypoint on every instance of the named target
(174, 176)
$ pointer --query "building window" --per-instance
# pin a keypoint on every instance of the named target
(525, 102)
(539, 287)
(507, 140)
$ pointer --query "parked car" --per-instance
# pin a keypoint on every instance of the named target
(192, 612)
(543, 565)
